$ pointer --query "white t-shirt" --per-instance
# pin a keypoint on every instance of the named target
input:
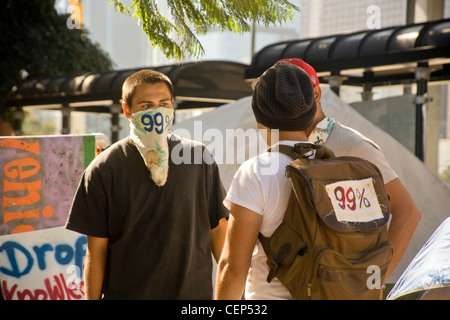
(345, 141)
(261, 185)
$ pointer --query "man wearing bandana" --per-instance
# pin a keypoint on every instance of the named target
(151, 222)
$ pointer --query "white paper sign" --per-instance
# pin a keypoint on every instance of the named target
(43, 265)
(354, 200)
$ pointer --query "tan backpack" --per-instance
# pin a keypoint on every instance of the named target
(333, 242)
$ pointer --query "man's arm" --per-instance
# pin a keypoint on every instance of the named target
(405, 219)
(94, 270)
(218, 238)
(234, 263)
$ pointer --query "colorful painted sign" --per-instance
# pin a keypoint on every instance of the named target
(42, 265)
(38, 179)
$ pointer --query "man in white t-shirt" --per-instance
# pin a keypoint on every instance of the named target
(283, 99)
(345, 141)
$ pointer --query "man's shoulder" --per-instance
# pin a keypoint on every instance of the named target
(342, 130)
(188, 151)
(116, 147)
(185, 142)
(345, 141)
(342, 135)
(269, 164)
(118, 150)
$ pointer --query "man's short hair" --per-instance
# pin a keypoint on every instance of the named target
(145, 76)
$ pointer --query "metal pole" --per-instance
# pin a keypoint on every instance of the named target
(422, 74)
(252, 41)
(410, 11)
(115, 118)
(65, 119)
(18, 114)
(335, 82)
(367, 93)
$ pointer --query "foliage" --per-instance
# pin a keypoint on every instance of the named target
(35, 39)
(175, 32)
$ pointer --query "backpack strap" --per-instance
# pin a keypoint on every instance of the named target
(303, 150)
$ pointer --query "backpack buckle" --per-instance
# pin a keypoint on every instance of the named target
(282, 253)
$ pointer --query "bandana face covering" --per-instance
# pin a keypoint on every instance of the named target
(320, 133)
(148, 131)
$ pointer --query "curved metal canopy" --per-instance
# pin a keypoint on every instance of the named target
(201, 84)
(378, 56)
(415, 53)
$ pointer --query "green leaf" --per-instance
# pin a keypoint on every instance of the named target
(175, 33)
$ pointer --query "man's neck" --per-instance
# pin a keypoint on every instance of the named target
(319, 117)
(293, 135)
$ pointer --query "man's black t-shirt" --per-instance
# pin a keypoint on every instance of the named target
(159, 237)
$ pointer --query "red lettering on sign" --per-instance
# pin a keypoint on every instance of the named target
(59, 291)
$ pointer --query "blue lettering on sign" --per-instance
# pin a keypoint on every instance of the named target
(63, 254)
(40, 254)
(11, 247)
(156, 122)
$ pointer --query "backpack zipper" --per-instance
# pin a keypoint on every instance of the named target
(313, 276)
(308, 291)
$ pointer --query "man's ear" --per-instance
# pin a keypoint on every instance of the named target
(317, 94)
(126, 110)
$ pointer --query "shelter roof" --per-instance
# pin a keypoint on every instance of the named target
(208, 83)
(379, 57)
